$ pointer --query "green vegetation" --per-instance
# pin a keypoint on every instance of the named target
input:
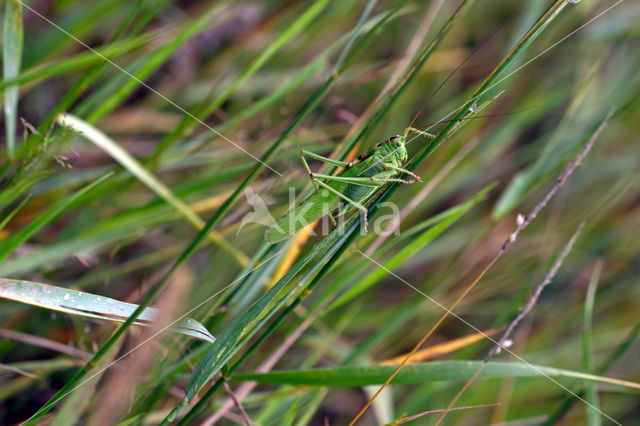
(144, 142)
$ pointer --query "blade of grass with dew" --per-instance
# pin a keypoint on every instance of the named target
(188, 123)
(350, 376)
(11, 59)
(593, 415)
(90, 305)
(147, 178)
(17, 239)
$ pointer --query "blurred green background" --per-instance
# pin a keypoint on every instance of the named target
(196, 91)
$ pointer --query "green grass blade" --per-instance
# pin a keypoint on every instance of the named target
(352, 376)
(90, 305)
(13, 212)
(34, 226)
(76, 62)
(591, 392)
(151, 181)
(11, 60)
(289, 86)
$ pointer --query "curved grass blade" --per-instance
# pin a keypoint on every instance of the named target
(11, 59)
(357, 376)
(90, 305)
(151, 181)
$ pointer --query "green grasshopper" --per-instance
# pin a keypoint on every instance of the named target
(352, 188)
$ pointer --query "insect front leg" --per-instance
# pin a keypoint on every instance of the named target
(400, 169)
(312, 175)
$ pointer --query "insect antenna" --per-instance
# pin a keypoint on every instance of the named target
(451, 74)
(473, 117)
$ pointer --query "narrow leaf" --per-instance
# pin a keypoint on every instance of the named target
(593, 411)
(134, 167)
(351, 376)
(90, 305)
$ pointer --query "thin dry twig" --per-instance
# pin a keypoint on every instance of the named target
(505, 339)
(19, 371)
(236, 402)
(438, 411)
(522, 223)
(44, 343)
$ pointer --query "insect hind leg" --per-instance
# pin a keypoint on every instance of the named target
(363, 210)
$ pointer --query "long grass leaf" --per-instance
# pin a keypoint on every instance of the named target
(90, 305)
(147, 178)
(350, 376)
(593, 416)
